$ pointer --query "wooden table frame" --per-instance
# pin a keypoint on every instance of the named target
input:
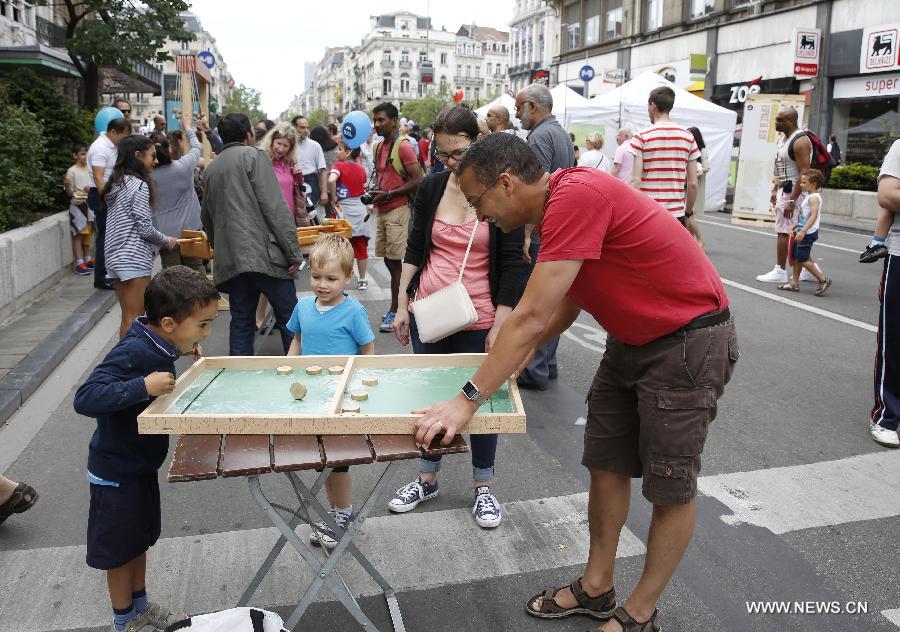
(155, 419)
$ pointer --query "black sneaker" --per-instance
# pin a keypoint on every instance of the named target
(873, 253)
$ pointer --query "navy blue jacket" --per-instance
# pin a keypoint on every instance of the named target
(115, 394)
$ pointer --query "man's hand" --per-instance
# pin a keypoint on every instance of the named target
(323, 198)
(159, 383)
(381, 196)
(294, 269)
(788, 210)
(447, 417)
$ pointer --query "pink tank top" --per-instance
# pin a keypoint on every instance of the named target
(285, 178)
(448, 247)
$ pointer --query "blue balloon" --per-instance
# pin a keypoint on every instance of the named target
(104, 116)
(355, 129)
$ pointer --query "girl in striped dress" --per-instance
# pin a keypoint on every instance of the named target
(131, 240)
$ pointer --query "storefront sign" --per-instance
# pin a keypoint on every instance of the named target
(807, 43)
(540, 76)
(880, 51)
(733, 96)
(887, 85)
(614, 75)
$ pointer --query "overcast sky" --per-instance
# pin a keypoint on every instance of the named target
(266, 42)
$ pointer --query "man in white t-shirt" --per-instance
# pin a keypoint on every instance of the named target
(623, 160)
(885, 413)
(311, 160)
(101, 158)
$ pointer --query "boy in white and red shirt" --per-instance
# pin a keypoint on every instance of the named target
(346, 183)
(665, 158)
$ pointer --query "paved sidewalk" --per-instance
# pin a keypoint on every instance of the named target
(36, 338)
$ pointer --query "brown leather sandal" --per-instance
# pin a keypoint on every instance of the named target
(22, 499)
(629, 624)
(600, 607)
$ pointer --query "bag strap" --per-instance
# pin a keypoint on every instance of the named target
(468, 248)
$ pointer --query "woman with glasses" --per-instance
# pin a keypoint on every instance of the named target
(494, 278)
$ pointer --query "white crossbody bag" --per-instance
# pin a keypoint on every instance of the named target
(448, 310)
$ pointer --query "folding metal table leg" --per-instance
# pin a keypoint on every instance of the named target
(345, 542)
(300, 515)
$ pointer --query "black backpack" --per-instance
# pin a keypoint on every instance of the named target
(821, 157)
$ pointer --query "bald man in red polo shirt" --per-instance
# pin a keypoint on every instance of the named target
(613, 252)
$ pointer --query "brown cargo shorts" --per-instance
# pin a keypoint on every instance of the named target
(650, 405)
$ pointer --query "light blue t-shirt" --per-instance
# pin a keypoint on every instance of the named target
(341, 330)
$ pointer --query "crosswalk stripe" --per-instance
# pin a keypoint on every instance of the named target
(892, 615)
(52, 589)
(819, 244)
(784, 499)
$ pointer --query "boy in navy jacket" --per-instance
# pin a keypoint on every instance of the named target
(124, 519)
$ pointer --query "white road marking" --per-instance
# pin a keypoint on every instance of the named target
(809, 308)
(784, 499)
(892, 615)
(594, 334)
(819, 244)
(24, 425)
(52, 589)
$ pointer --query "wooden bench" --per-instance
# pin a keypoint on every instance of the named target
(205, 457)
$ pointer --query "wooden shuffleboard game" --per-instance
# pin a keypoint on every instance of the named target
(347, 395)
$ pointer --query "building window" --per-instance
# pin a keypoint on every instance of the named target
(613, 20)
(572, 25)
(404, 83)
(423, 55)
(468, 71)
(404, 56)
(699, 8)
(477, 71)
(386, 55)
(591, 22)
(443, 81)
(386, 85)
(443, 59)
(184, 47)
(489, 66)
(654, 14)
(477, 94)
(458, 70)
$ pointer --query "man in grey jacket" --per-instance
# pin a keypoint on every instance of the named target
(554, 149)
(252, 230)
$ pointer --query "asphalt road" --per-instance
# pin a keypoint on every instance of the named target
(798, 504)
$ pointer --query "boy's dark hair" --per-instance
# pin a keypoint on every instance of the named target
(388, 108)
(491, 155)
(119, 126)
(233, 127)
(78, 147)
(454, 120)
(815, 176)
(320, 134)
(127, 164)
(663, 98)
(354, 153)
(177, 292)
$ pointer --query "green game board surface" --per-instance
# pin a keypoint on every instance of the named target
(399, 391)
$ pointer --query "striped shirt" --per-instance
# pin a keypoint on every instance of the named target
(131, 240)
(665, 149)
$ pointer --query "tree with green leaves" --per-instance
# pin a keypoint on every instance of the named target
(116, 32)
(423, 110)
(25, 181)
(244, 99)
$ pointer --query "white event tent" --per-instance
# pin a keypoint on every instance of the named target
(626, 106)
(564, 99)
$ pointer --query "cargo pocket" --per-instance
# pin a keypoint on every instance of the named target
(273, 250)
(670, 481)
(683, 415)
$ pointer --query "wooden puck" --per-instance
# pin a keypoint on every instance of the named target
(350, 408)
(298, 390)
(284, 370)
(359, 396)
(313, 370)
(370, 380)
(335, 370)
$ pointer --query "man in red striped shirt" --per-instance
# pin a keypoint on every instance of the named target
(665, 158)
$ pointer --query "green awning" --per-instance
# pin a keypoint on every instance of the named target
(38, 56)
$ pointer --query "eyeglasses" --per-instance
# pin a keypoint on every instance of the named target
(124, 111)
(456, 154)
(474, 203)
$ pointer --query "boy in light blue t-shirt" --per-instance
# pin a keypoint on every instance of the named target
(332, 323)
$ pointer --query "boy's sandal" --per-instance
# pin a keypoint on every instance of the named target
(600, 607)
(22, 499)
(787, 287)
(823, 287)
(629, 624)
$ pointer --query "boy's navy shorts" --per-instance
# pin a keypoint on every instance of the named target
(803, 248)
(123, 522)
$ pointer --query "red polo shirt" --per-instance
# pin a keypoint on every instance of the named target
(643, 274)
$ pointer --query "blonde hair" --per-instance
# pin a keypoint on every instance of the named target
(282, 130)
(595, 140)
(330, 247)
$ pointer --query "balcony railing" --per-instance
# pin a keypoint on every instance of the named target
(49, 33)
(387, 63)
(405, 64)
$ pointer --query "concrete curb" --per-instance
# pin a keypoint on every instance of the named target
(18, 385)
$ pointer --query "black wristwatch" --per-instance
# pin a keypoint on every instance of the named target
(473, 394)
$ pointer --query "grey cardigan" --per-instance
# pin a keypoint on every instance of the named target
(176, 205)
(246, 218)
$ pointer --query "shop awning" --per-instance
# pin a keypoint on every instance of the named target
(40, 58)
(140, 77)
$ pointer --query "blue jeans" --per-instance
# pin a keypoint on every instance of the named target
(543, 367)
(98, 205)
(484, 446)
(243, 295)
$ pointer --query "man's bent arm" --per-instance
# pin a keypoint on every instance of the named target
(691, 187)
(889, 193)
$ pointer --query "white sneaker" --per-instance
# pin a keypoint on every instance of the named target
(486, 509)
(885, 437)
(775, 275)
(806, 275)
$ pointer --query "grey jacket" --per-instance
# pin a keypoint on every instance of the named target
(176, 206)
(246, 218)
